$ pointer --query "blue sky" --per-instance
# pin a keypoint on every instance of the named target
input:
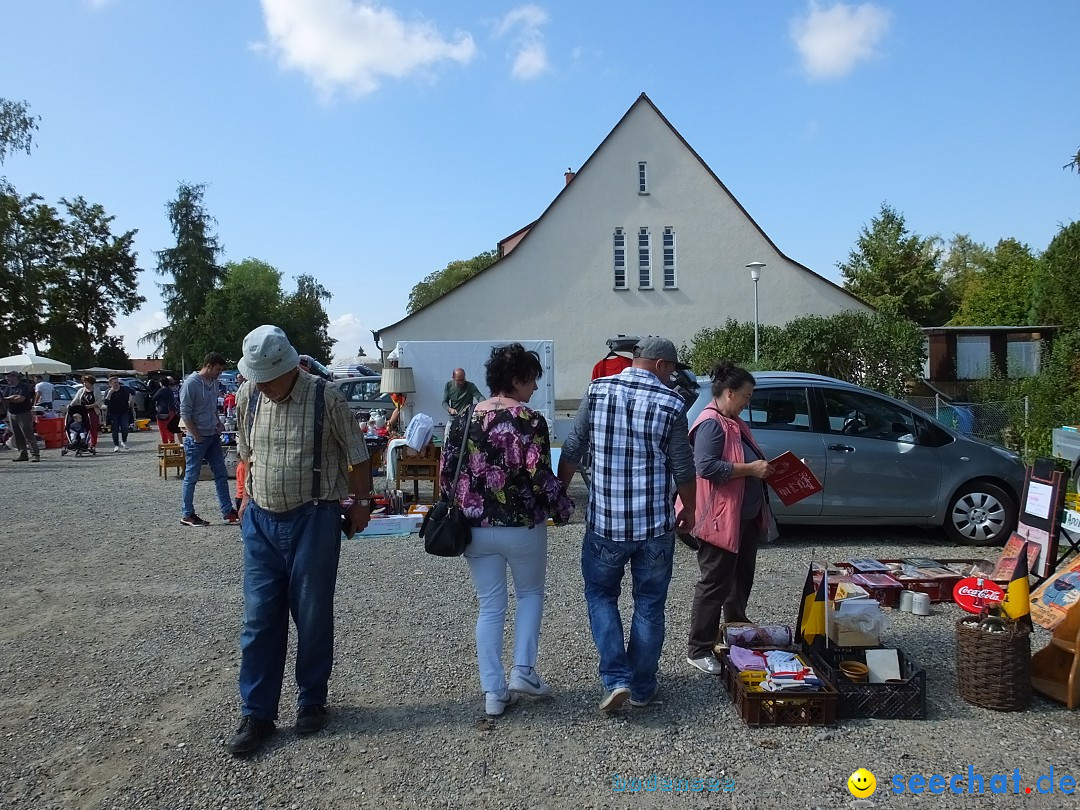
(369, 145)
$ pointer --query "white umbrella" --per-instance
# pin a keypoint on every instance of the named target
(33, 364)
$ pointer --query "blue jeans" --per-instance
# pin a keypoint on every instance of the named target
(194, 453)
(603, 562)
(488, 555)
(121, 422)
(290, 566)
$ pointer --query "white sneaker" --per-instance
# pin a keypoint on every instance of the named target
(707, 663)
(116, 449)
(496, 702)
(123, 446)
(531, 684)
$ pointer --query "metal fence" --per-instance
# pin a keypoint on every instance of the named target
(998, 422)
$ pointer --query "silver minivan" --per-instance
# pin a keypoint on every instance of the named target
(879, 460)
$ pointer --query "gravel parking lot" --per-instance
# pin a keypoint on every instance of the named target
(119, 651)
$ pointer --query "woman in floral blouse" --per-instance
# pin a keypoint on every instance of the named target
(507, 491)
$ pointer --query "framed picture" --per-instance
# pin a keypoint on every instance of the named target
(1040, 506)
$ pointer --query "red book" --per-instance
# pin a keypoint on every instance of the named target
(791, 479)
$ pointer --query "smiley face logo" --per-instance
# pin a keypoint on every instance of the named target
(861, 783)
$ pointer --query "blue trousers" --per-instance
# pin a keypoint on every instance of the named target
(633, 664)
(194, 453)
(290, 567)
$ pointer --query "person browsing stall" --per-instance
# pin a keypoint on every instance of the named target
(459, 393)
(299, 440)
(43, 392)
(732, 511)
(635, 425)
(18, 397)
(198, 409)
(507, 491)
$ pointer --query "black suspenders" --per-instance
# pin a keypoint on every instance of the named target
(320, 419)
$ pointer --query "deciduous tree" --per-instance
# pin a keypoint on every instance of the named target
(17, 128)
(1057, 280)
(439, 283)
(305, 321)
(1001, 292)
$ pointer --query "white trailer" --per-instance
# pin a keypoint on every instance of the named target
(433, 361)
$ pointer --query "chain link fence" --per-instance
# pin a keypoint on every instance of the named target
(998, 422)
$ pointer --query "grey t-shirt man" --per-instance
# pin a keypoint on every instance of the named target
(198, 405)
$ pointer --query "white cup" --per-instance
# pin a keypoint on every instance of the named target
(905, 600)
(920, 604)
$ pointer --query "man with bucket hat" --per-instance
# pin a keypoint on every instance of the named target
(298, 439)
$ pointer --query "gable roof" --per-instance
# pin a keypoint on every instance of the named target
(642, 99)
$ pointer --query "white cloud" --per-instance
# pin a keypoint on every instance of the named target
(350, 45)
(134, 326)
(833, 40)
(350, 335)
(530, 51)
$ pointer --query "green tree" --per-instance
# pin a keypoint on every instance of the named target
(17, 128)
(304, 319)
(31, 246)
(192, 265)
(101, 280)
(249, 295)
(1001, 293)
(112, 354)
(897, 272)
(963, 259)
(439, 283)
(1057, 280)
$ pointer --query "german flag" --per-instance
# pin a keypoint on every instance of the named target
(811, 622)
(1017, 603)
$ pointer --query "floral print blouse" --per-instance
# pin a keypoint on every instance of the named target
(506, 477)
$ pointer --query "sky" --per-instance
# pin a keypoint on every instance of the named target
(371, 144)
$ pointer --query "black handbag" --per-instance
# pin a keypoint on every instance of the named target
(445, 530)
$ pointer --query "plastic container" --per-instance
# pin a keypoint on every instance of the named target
(757, 707)
(901, 700)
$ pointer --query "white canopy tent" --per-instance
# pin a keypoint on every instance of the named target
(33, 364)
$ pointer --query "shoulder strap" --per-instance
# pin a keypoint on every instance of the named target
(320, 412)
(461, 450)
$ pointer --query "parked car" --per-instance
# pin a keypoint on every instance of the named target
(363, 394)
(879, 460)
(62, 396)
(139, 389)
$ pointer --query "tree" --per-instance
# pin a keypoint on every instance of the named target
(17, 128)
(1074, 162)
(304, 319)
(1057, 280)
(1001, 293)
(439, 283)
(101, 280)
(112, 354)
(193, 267)
(31, 244)
(249, 295)
(897, 271)
(964, 258)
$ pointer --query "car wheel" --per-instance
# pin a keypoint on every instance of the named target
(980, 514)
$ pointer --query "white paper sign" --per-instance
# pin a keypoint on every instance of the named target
(1072, 521)
(1038, 500)
(884, 666)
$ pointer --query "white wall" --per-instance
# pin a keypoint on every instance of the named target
(558, 282)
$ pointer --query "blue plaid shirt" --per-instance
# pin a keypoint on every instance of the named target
(636, 428)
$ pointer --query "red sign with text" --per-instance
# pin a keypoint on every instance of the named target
(791, 479)
(976, 594)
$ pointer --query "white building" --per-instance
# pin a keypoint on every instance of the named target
(644, 240)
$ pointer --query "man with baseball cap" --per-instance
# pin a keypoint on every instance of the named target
(304, 455)
(19, 401)
(635, 425)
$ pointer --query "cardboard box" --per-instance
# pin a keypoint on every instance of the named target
(839, 614)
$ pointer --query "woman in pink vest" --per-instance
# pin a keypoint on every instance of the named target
(732, 511)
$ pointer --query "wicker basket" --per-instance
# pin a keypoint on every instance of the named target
(993, 670)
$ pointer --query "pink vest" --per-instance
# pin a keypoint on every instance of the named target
(720, 505)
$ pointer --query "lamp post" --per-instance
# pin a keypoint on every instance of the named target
(755, 275)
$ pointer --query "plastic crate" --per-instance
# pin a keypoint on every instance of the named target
(760, 708)
(905, 700)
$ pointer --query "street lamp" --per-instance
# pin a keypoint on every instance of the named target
(755, 275)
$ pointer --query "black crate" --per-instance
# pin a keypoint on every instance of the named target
(778, 708)
(904, 700)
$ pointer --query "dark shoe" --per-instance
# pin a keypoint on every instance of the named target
(35, 458)
(23, 457)
(194, 520)
(310, 719)
(232, 518)
(249, 736)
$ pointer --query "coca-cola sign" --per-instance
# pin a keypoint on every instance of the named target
(976, 594)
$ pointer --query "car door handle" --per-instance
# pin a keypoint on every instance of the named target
(842, 448)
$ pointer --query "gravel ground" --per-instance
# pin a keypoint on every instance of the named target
(119, 654)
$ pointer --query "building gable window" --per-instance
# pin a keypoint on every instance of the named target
(619, 249)
(644, 251)
(669, 259)
(642, 178)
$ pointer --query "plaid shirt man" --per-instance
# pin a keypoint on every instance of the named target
(637, 431)
(278, 445)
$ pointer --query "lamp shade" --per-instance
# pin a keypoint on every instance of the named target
(397, 381)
